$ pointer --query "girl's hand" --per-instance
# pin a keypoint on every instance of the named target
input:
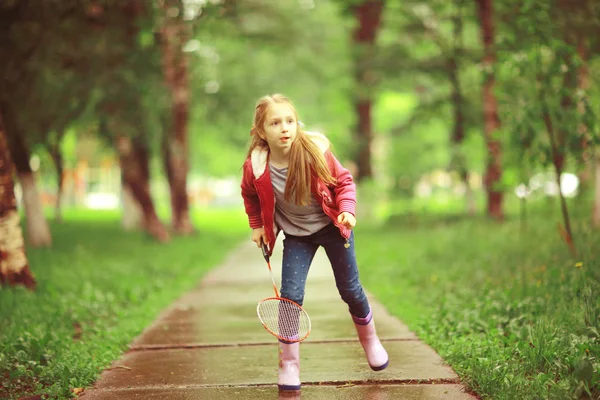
(347, 219)
(259, 235)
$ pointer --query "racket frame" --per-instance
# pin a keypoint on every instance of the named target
(302, 310)
(265, 252)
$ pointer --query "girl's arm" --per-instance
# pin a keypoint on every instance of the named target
(345, 189)
(251, 201)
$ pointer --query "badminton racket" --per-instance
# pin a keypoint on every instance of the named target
(282, 318)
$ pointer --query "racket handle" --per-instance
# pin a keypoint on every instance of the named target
(265, 250)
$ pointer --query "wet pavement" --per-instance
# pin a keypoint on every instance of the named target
(210, 345)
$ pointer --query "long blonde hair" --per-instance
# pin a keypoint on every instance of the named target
(305, 156)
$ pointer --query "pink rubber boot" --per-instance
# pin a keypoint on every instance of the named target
(289, 366)
(377, 357)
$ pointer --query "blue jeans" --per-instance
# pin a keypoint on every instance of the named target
(298, 253)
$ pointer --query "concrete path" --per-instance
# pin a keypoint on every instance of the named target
(210, 345)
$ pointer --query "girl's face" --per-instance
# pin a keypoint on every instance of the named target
(280, 127)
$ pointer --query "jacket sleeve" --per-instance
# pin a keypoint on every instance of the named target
(251, 201)
(345, 189)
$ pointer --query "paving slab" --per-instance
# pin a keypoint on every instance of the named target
(210, 344)
(222, 310)
(257, 365)
(346, 392)
(226, 314)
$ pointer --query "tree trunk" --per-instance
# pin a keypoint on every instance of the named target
(57, 158)
(568, 107)
(174, 34)
(364, 135)
(493, 174)
(132, 218)
(14, 267)
(590, 155)
(568, 233)
(583, 84)
(458, 131)
(176, 169)
(470, 203)
(38, 231)
(133, 159)
(368, 17)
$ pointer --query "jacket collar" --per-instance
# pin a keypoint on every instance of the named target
(260, 155)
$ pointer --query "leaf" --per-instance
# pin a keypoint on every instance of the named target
(66, 373)
(584, 370)
(78, 330)
(593, 331)
(77, 390)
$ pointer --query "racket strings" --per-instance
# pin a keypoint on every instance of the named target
(284, 319)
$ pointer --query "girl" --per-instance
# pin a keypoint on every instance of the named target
(292, 182)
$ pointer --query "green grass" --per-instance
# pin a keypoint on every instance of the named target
(508, 308)
(111, 284)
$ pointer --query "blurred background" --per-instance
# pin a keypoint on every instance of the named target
(470, 127)
(139, 106)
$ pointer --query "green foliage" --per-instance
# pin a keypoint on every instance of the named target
(421, 151)
(70, 63)
(510, 310)
(539, 57)
(419, 40)
(74, 63)
(97, 289)
(392, 109)
(66, 65)
(287, 48)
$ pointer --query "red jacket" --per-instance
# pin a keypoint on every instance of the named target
(259, 198)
